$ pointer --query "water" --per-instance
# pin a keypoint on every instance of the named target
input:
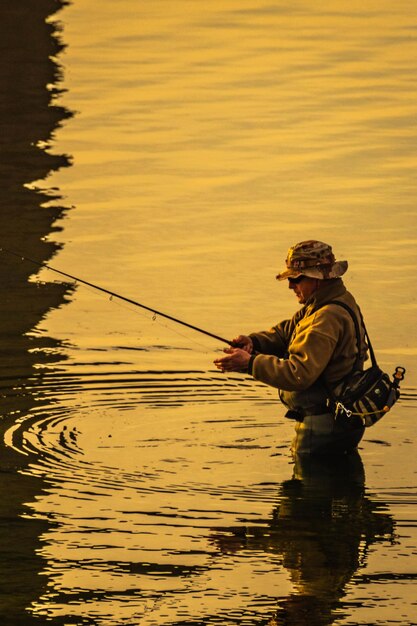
(172, 152)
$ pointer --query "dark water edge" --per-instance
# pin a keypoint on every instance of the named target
(29, 79)
(28, 118)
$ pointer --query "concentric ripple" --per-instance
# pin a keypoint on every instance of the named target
(163, 489)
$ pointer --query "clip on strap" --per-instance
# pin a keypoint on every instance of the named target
(341, 407)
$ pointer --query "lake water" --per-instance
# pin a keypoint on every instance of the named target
(172, 152)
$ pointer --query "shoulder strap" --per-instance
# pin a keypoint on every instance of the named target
(358, 342)
(357, 330)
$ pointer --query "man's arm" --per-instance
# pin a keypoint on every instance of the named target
(274, 341)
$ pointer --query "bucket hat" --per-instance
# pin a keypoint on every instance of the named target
(314, 259)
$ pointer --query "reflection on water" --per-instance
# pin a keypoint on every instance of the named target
(187, 524)
(139, 486)
(322, 530)
(28, 119)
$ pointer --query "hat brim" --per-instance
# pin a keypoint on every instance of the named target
(321, 272)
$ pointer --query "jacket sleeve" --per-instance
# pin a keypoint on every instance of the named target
(274, 341)
(309, 353)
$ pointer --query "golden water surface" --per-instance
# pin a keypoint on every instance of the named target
(172, 151)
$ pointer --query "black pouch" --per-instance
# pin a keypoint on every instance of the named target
(369, 394)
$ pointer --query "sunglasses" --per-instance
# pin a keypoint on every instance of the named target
(295, 281)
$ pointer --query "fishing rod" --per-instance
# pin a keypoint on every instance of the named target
(117, 295)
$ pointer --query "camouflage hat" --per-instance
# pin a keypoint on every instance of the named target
(312, 258)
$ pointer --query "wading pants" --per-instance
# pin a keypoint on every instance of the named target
(322, 434)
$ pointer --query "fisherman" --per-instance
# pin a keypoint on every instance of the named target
(306, 355)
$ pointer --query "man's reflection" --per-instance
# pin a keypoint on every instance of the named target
(322, 528)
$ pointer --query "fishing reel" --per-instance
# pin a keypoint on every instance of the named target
(398, 375)
(394, 394)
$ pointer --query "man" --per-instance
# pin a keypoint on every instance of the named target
(309, 353)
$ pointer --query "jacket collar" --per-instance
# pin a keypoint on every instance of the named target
(331, 291)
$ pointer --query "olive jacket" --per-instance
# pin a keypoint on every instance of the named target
(294, 354)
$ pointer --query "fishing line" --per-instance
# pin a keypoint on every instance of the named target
(116, 295)
(155, 319)
(113, 294)
(236, 382)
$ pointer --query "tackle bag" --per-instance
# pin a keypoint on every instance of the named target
(368, 394)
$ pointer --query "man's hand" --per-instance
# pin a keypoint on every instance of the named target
(237, 360)
(243, 342)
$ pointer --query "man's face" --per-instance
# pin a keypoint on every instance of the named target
(303, 287)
